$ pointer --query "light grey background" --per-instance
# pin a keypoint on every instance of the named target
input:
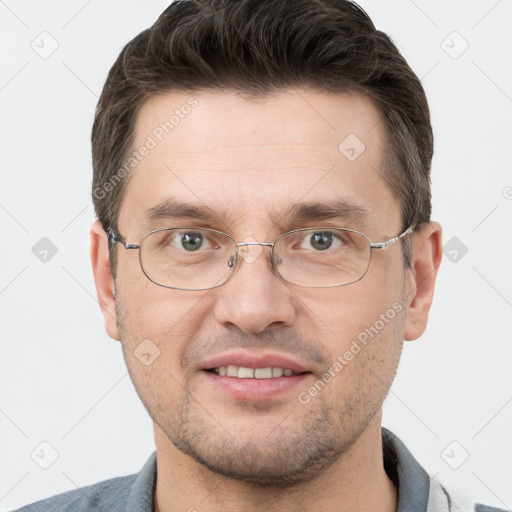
(63, 381)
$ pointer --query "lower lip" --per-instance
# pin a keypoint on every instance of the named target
(256, 389)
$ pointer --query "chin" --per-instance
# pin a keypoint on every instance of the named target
(272, 453)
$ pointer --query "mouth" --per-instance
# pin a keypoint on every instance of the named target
(242, 372)
(255, 376)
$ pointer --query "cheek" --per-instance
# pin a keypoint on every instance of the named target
(344, 312)
(364, 352)
(153, 316)
(361, 326)
(159, 325)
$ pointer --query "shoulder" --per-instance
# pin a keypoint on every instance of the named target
(132, 493)
(416, 489)
(442, 499)
(106, 495)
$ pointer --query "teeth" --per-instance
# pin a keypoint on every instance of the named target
(232, 371)
(242, 372)
(277, 372)
(263, 373)
(245, 373)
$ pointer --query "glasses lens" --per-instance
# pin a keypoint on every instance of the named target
(187, 258)
(322, 257)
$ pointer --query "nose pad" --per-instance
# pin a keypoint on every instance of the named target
(277, 260)
(232, 261)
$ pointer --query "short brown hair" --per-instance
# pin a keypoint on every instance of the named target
(257, 47)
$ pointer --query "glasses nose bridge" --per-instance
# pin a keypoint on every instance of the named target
(266, 244)
(251, 242)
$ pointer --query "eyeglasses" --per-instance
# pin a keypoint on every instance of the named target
(189, 258)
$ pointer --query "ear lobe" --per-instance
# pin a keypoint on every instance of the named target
(427, 252)
(105, 288)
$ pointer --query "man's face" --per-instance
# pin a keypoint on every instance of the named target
(245, 162)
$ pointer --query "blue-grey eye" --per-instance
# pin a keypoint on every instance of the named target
(321, 240)
(191, 241)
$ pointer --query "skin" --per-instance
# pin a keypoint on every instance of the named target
(251, 159)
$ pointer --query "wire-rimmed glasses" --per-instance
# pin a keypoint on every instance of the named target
(190, 258)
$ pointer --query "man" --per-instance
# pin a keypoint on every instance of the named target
(263, 248)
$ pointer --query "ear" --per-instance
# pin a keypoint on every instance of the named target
(105, 288)
(427, 252)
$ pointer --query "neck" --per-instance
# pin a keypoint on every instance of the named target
(356, 482)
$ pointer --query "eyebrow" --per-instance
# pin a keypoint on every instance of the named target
(298, 213)
(170, 208)
(342, 209)
(173, 209)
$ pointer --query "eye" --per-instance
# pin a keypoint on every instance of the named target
(190, 241)
(320, 240)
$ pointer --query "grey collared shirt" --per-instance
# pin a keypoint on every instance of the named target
(417, 492)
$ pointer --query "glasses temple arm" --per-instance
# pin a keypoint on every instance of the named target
(114, 237)
(383, 245)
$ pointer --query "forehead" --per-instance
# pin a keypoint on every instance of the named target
(254, 159)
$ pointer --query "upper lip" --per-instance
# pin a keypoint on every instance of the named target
(254, 360)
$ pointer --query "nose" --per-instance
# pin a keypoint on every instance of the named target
(255, 298)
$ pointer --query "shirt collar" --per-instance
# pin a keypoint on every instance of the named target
(411, 480)
(142, 493)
